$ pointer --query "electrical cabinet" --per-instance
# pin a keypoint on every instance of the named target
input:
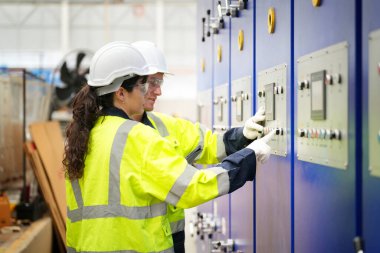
(242, 103)
(370, 85)
(221, 104)
(205, 81)
(374, 103)
(272, 94)
(322, 102)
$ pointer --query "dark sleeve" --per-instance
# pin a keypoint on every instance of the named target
(241, 168)
(234, 140)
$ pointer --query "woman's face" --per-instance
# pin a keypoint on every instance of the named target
(134, 101)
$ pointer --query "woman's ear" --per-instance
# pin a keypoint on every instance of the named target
(120, 96)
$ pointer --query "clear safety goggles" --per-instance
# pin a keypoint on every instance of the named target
(153, 83)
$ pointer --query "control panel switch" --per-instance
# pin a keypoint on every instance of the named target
(301, 132)
(329, 79)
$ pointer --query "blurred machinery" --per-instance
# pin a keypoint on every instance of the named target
(69, 76)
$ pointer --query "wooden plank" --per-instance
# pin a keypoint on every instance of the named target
(42, 178)
(50, 145)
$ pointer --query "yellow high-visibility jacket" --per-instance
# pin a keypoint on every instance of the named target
(131, 173)
(195, 142)
(192, 141)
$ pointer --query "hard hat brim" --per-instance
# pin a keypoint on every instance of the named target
(114, 86)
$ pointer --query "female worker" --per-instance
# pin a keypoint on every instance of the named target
(122, 174)
(193, 141)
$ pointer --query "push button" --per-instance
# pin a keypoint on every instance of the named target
(321, 133)
(336, 134)
(301, 85)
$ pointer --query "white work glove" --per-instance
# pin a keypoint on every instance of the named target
(261, 148)
(252, 130)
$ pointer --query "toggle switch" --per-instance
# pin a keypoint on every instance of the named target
(245, 96)
(307, 84)
(329, 79)
(280, 131)
(314, 133)
(337, 78)
(301, 132)
(335, 134)
(321, 133)
(301, 85)
(328, 134)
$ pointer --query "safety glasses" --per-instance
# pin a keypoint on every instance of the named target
(155, 82)
(143, 87)
(152, 83)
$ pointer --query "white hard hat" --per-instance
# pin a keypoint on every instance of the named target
(153, 55)
(115, 62)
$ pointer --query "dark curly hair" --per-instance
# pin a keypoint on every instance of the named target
(87, 108)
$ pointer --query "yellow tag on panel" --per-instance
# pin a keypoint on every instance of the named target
(219, 53)
(241, 40)
(271, 20)
(203, 65)
(316, 3)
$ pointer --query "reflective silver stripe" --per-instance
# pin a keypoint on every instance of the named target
(117, 152)
(223, 180)
(177, 226)
(114, 208)
(221, 149)
(159, 124)
(77, 192)
(72, 250)
(117, 210)
(180, 185)
(202, 130)
(190, 158)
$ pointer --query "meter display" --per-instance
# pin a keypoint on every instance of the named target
(269, 102)
(318, 96)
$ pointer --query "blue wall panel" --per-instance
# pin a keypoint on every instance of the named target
(242, 65)
(371, 185)
(204, 48)
(204, 81)
(222, 76)
(324, 197)
(273, 220)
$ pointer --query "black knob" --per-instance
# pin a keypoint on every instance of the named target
(301, 85)
(203, 39)
(202, 237)
(208, 12)
(245, 4)
(221, 23)
(208, 34)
